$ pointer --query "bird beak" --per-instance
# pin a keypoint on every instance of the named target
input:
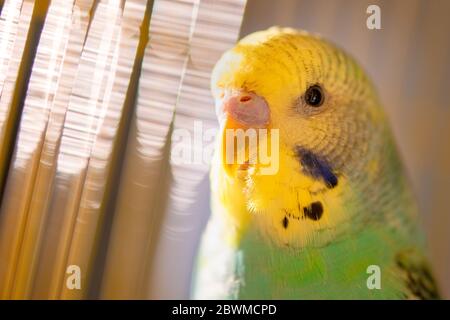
(240, 109)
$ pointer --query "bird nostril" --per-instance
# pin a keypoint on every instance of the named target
(244, 99)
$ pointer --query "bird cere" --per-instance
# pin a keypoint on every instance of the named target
(338, 201)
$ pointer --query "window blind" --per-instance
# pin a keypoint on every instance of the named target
(91, 95)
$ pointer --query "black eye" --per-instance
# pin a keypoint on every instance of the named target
(314, 96)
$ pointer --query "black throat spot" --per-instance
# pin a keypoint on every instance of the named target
(314, 211)
(316, 166)
(285, 222)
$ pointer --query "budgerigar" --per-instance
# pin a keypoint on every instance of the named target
(337, 211)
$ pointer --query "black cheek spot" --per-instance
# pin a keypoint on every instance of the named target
(285, 222)
(316, 166)
(331, 181)
(314, 211)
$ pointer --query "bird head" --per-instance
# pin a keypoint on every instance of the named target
(331, 132)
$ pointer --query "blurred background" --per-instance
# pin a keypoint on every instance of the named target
(92, 92)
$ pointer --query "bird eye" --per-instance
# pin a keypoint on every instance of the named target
(314, 96)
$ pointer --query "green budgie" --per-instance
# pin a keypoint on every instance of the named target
(325, 212)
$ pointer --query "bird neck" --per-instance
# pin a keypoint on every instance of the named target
(339, 269)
